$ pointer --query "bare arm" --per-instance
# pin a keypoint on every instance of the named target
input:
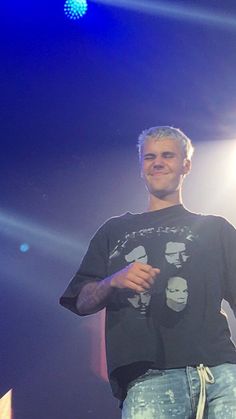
(138, 277)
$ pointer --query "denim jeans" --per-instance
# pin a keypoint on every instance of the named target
(174, 393)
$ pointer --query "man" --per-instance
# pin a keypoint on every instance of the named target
(174, 360)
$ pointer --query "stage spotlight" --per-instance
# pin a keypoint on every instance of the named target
(24, 247)
(74, 9)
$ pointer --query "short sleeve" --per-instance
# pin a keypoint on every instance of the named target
(228, 236)
(94, 267)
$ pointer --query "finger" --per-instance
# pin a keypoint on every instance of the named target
(140, 278)
(135, 287)
(139, 281)
(148, 269)
(149, 276)
(155, 272)
(144, 272)
(144, 267)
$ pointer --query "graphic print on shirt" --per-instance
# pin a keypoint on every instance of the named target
(176, 293)
(167, 248)
(141, 300)
(175, 253)
(149, 233)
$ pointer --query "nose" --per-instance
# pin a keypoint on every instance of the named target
(158, 163)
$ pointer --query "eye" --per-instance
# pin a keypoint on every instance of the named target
(149, 157)
(168, 154)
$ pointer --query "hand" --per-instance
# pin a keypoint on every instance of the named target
(137, 276)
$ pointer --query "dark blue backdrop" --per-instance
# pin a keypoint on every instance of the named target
(74, 97)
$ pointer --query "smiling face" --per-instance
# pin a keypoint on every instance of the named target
(163, 167)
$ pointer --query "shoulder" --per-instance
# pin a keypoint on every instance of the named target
(212, 222)
(127, 216)
(114, 223)
(218, 221)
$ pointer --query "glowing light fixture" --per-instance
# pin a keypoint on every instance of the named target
(74, 9)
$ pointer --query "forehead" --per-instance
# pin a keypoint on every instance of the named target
(177, 281)
(173, 247)
(159, 145)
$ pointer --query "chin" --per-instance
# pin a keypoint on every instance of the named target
(160, 193)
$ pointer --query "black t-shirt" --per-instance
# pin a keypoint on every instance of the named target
(179, 322)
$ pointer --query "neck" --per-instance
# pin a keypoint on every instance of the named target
(156, 203)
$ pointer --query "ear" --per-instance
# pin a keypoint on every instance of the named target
(186, 166)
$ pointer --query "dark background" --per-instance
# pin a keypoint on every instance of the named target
(74, 97)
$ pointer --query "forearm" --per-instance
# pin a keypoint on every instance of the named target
(137, 277)
(93, 296)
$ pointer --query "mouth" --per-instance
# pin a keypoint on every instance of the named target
(156, 174)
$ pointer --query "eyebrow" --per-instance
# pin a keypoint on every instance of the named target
(172, 253)
(163, 153)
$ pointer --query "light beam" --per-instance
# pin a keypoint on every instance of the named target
(173, 10)
(43, 238)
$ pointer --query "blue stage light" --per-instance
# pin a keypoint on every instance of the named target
(24, 247)
(74, 9)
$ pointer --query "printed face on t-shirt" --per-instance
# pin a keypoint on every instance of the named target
(174, 246)
(175, 253)
(137, 254)
(140, 300)
(176, 293)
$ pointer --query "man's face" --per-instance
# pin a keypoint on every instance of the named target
(137, 254)
(141, 301)
(177, 293)
(175, 253)
(163, 166)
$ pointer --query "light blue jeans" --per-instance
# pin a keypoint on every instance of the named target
(174, 393)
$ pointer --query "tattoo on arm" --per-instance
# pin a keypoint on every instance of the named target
(93, 296)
